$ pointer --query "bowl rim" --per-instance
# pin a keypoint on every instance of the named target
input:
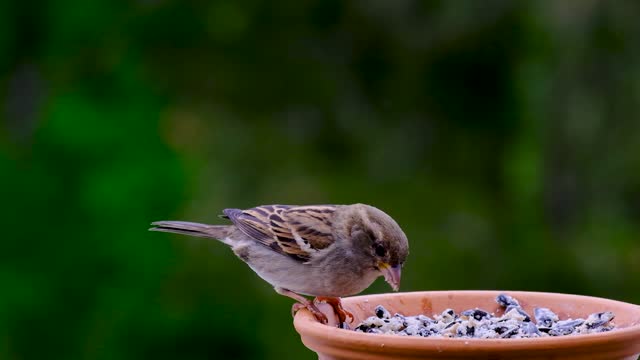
(306, 324)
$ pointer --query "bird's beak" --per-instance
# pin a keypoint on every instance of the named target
(391, 274)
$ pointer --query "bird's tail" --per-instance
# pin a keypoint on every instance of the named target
(219, 232)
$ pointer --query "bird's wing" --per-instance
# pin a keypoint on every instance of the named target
(311, 225)
(297, 231)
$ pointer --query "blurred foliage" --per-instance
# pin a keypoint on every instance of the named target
(503, 137)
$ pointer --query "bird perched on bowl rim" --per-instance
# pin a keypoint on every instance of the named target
(326, 251)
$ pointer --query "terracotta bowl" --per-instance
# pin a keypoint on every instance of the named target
(333, 343)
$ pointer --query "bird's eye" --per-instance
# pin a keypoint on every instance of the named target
(380, 250)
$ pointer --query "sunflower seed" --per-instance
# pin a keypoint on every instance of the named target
(478, 323)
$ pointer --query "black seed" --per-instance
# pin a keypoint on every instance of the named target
(571, 323)
(544, 317)
(530, 329)
(471, 330)
(598, 319)
(505, 300)
(480, 314)
(565, 327)
(500, 329)
(381, 312)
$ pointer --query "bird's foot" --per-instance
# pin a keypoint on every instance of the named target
(336, 304)
(309, 305)
(302, 303)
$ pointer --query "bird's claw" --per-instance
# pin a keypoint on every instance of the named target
(337, 312)
(322, 318)
(336, 304)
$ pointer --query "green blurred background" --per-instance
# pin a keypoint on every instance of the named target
(503, 136)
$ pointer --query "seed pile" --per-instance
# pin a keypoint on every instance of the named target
(476, 323)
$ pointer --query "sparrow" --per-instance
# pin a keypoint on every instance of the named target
(324, 251)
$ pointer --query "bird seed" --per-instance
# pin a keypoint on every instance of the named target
(515, 323)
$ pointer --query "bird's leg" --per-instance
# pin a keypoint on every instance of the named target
(302, 302)
(336, 304)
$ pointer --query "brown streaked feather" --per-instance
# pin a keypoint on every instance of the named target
(312, 224)
(297, 231)
(250, 225)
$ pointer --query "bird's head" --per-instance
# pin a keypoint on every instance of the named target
(381, 240)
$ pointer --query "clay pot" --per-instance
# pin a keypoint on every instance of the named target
(333, 343)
